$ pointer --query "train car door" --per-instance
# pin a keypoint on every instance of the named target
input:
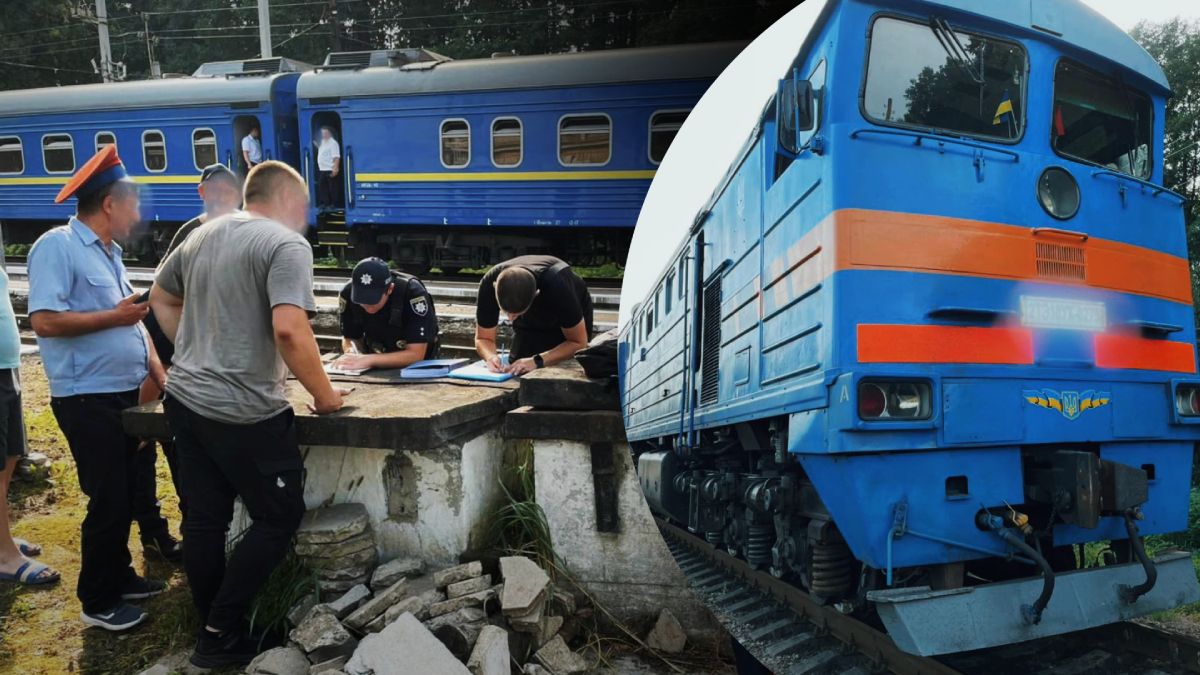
(242, 124)
(328, 192)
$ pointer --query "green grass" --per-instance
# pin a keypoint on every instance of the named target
(327, 261)
(17, 249)
(519, 527)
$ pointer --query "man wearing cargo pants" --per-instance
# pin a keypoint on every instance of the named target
(246, 277)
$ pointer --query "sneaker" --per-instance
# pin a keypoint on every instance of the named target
(121, 617)
(231, 648)
(139, 588)
(163, 546)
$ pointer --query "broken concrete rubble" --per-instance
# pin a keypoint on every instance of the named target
(401, 568)
(458, 573)
(376, 605)
(667, 635)
(332, 524)
(278, 661)
(524, 585)
(323, 637)
(349, 601)
(479, 599)
(490, 655)
(559, 659)
(469, 586)
(330, 667)
(403, 647)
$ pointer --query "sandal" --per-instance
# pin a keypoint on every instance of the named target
(26, 548)
(32, 574)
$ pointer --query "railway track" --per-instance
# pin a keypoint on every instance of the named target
(791, 633)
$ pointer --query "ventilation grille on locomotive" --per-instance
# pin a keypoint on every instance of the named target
(710, 345)
(1055, 261)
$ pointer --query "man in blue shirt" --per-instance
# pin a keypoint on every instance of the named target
(96, 355)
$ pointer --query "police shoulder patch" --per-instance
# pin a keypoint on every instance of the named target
(419, 305)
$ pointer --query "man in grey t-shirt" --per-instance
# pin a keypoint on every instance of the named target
(235, 298)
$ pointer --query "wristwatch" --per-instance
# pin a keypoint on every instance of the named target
(539, 361)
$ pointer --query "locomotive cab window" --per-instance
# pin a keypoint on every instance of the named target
(1101, 121)
(12, 156)
(204, 148)
(663, 128)
(58, 153)
(584, 140)
(105, 139)
(456, 144)
(154, 151)
(935, 77)
(506, 142)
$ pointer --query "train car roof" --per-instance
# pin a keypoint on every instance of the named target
(642, 64)
(171, 92)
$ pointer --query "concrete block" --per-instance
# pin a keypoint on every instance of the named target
(550, 626)
(377, 605)
(331, 588)
(667, 635)
(464, 615)
(479, 599)
(469, 586)
(459, 638)
(566, 387)
(557, 657)
(630, 572)
(443, 578)
(355, 544)
(333, 565)
(323, 637)
(490, 655)
(590, 426)
(529, 621)
(330, 667)
(404, 647)
(333, 524)
(349, 601)
(298, 611)
(278, 661)
(524, 584)
(392, 571)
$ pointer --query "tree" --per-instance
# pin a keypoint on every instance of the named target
(1175, 44)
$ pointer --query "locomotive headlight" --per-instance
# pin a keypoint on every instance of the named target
(1187, 400)
(899, 401)
(1058, 193)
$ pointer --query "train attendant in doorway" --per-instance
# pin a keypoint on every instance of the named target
(387, 318)
(96, 355)
(329, 166)
(252, 152)
(548, 304)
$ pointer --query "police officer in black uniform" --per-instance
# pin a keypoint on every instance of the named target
(387, 319)
(549, 306)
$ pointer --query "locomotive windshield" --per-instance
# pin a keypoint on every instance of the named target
(936, 77)
(1100, 120)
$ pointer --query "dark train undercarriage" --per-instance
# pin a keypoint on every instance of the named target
(742, 491)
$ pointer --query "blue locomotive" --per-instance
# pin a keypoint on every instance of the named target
(933, 333)
(448, 163)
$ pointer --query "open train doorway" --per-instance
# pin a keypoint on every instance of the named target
(329, 181)
(247, 140)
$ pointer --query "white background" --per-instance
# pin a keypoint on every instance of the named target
(718, 127)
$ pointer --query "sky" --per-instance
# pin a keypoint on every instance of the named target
(724, 118)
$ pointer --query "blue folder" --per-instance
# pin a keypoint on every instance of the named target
(422, 370)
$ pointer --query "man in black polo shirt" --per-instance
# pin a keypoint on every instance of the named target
(387, 319)
(548, 304)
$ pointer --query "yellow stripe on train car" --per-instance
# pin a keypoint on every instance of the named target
(62, 180)
(501, 176)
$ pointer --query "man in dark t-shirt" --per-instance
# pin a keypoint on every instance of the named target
(549, 306)
(387, 318)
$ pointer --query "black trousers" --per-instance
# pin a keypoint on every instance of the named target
(219, 462)
(147, 509)
(105, 463)
(329, 189)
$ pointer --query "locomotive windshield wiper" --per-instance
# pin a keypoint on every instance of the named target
(954, 48)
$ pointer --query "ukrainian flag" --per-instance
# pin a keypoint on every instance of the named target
(1004, 111)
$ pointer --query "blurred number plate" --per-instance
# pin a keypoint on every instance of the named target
(1039, 312)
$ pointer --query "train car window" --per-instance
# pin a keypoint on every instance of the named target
(154, 151)
(663, 127)
(105, 139)
(584, 140)
(456, 144)
(669, 291)
(506, 141)
(682, 275)
(204, 148)
(12, 155)
(932, 76)
(58, 153)
(1100, 120)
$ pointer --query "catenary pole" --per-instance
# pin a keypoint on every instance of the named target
(264, 28)
(106, 65)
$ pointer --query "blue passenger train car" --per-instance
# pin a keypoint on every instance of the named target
(462, 163)
(934, 330)
(165, 131)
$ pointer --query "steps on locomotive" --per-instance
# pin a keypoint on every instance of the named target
(331, 229)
